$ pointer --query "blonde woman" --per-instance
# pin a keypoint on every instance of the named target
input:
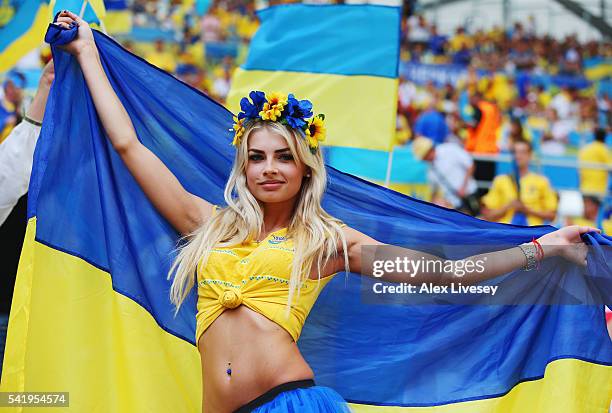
(261, 261)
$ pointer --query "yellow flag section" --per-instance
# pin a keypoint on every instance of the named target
(344, 58)
(68, 331)
(358, 125)
(560, 390)
(22, 29)
(118, 17)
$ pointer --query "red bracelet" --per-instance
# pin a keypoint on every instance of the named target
(540, 251)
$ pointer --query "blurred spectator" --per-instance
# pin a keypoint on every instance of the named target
(564, 103)
(161, 57)
(604, 111)
(402, 129)
(450, 173)
(460, 40)
(462, 56)
(486, 119)
(537, 200)
(560, 128)
(407, 92)
(595, 181)
(549, 146)
(10, 103)
(17, 150)
(221, 85)
(418, 32)
(437, 43)
(431, 123)
(590, 216)
(513, 133)
(482, 136)
(211, 27)
(522, 55)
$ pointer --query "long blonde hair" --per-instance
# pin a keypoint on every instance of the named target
(316, 234)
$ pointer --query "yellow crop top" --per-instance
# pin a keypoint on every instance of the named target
(255, 274)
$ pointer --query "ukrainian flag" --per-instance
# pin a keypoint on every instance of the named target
(344, 58)
(403, 172)
(91, 314)
(118, 17)
(94, 11)
(22, 28)
(597, 68)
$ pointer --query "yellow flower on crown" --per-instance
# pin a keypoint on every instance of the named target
(273, 108)
(238, 130)
(284, 109)
(315, 131)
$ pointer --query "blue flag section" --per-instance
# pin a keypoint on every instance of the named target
(91, 313)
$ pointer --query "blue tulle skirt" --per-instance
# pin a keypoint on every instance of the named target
(316, 399)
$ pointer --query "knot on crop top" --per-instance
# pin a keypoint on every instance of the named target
(230, 298)
(256, 275)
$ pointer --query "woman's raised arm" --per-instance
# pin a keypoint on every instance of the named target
(565, 242)
(183, 210)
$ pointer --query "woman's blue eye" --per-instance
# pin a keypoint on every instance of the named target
(286, 157)
(255, 157)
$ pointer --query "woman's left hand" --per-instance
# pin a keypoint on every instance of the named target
(567, 243)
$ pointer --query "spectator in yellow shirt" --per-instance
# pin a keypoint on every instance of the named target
(538, 201)
(161, 58)
(459, 40)
(595, 181)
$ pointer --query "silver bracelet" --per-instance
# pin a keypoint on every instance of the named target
(530, 252)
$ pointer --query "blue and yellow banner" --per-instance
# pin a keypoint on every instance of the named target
(22, 28)
(23, 24)
(344, 58)
(118, 17)
(91, 314)
(93, 10)
(405, 173)
(597, 68)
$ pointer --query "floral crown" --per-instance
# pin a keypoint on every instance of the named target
(285, 109)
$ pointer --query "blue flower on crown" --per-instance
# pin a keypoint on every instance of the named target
(297, 112)
(285, 109)
(251, 110)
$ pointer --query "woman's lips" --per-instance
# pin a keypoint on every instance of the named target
(271, 186)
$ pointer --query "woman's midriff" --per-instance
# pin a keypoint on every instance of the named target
(262, 356)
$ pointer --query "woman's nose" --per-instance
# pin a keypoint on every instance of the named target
(270, 167)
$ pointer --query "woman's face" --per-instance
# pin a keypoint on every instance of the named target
(272, 173)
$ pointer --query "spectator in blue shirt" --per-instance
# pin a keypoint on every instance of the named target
(462, 57)
(437, 42)
(431, 123)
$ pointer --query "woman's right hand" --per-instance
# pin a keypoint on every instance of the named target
(84, 41)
